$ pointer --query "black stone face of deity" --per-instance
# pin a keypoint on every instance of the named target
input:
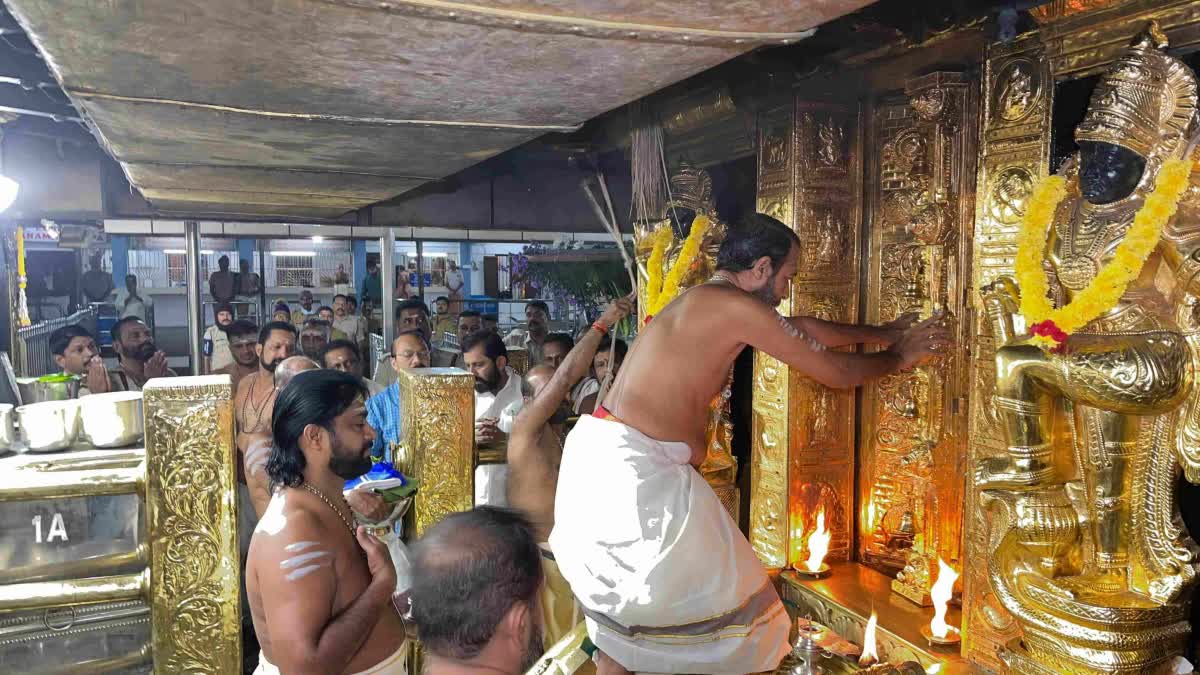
(1107, 172)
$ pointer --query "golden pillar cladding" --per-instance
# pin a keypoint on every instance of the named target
(802, 453)
(438, 409)
(191, 506)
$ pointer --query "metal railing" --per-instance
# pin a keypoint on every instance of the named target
(33, 343)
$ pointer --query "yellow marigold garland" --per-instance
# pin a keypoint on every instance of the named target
(1050, 326)
(662, 239)
(660, 292)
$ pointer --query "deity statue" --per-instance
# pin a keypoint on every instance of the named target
(692, 196)
(1087, 550)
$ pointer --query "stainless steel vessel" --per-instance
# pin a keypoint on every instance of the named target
(112, 420)
(49, 426)
(7, 433)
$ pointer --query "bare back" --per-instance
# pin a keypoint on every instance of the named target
(677, 364)
(303, 570)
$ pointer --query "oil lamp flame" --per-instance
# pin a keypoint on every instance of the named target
(818, 544)
(870, 653)
(941, 593)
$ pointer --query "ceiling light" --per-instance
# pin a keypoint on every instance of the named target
(179, 251)
(297, 254)
(318, 239)
(8, 192)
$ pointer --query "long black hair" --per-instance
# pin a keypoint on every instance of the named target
(312, 397)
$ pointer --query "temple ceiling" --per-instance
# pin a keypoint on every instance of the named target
(312, 108)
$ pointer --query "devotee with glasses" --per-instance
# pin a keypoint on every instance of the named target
(630, 467)
(409, 350)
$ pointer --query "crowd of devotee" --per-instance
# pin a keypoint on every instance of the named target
(332, 585)
(350, 410)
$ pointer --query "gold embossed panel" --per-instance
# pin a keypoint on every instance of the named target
(803, 434)
(769, 470)
(1014, 149)
(191, 491)
(920, 191)
(438, 409)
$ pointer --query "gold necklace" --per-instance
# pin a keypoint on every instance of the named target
(325, 499)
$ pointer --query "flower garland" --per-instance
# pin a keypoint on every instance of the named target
(659, 291)
(1050, 326)
(662, 239)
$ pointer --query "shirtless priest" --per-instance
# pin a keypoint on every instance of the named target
(667, 582)
(321, 591)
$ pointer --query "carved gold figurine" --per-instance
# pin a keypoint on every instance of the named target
(1086, 549)
(692, 195)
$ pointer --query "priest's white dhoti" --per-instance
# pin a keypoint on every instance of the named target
(667, 582)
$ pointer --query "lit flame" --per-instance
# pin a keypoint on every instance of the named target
(941, 593)
(870, 654)
(932, 670)
(818, 544)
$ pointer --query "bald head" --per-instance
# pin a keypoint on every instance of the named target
(538, 377)
(290, 366)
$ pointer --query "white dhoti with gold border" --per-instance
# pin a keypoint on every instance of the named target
(667, 582)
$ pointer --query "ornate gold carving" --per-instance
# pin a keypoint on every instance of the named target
(1059, 9)
(699, 110)
(831, 139)
(802, 450)
(438, 409)
(1007, 193)
(191, 489)
(1076, 514)
(1018, 90)
(912, 440)
(1011, 154)
(769, 462)
(774, 149)
(1145, 102)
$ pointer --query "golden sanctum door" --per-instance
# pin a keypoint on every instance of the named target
(889, 481)
(920, 184)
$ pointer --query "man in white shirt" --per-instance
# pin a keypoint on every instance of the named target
(131, 302)
(499, 395)
(216, 339)
(454, 283)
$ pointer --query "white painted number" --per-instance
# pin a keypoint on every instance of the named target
(58, 529)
